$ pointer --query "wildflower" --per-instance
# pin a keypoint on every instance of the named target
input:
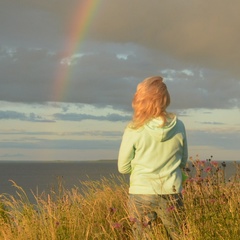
(199, 163)
(190, 180)
(183, 191)
(208, 169)
(171, 208)
(133, 219)
(112, 210)
(57, 224)
(224, 199)
(202, 163)
(197, 179)
(117, 225)
(212, 200)
(145, 224)
(214, 164)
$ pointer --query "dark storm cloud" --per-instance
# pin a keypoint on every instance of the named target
(101, 79)
(26, 75)
(32, 117)
(113, 134)
(195, 31)
(61, 144)
(13, 115)
(81, 117)
(10, 155)
(213, 123)
(33, 23)
(127, 41)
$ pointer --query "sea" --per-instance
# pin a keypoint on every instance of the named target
(38, 177)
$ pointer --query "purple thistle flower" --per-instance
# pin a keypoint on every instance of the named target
(112, 210)
(183, 191)
(197, 179)
(200, 163)
(190, 180)
(208, 169)
(212, 200)
(145, 224)
(133, 219)
(171, 208)
(117, 225)
(214, 164)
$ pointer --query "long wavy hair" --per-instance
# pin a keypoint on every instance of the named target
(150, 101)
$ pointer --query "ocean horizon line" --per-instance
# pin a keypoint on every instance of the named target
(97, 160)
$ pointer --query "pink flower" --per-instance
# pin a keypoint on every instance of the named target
(117, 225)
(212, 200)
(214, 164)
(145, 224)
(197, 179)
(190, 180)
(183, 191)
(208, 169)
(112, 210)
(171, 208)
(133, 219)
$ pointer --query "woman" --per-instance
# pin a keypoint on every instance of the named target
(153, 151)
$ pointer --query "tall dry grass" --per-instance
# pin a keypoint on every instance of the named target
(98, 210)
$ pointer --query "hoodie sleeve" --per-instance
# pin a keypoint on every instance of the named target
(185, 150)
(126, 153)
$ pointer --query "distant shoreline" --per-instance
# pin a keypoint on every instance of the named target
(89, 161)
(58, 161)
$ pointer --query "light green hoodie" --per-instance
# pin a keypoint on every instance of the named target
(154, 157)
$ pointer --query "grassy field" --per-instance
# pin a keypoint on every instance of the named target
(99, 209)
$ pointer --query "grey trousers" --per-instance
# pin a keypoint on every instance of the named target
(146, 209)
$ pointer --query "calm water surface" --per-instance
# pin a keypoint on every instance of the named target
(42, 176)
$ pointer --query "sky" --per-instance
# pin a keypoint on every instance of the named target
(69, 70)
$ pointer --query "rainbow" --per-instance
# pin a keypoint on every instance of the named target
(78, 30)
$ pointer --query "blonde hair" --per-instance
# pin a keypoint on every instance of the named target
(150, 101)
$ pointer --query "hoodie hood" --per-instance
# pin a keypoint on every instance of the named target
(161, 133)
